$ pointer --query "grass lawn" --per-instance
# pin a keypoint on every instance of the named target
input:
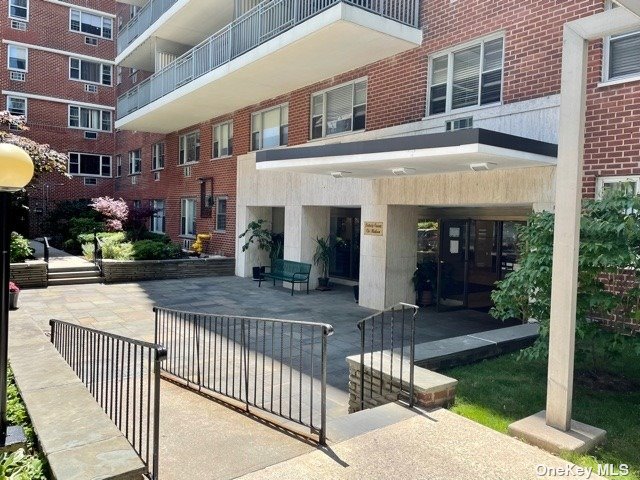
(499, 391)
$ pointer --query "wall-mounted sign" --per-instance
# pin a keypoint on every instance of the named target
(373, 228)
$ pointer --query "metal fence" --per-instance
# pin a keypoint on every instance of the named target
(145, 17)
(123, 375)
(97, 252)
(46, 249)
(387, 352)
(255, 27)
(278, 366)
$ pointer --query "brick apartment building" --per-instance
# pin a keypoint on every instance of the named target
(324, 116)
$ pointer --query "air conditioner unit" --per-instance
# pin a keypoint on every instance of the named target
(156, 176)
(90, 181)
(91, 41)
(18, 25)
(91, 135)
(187, 171)
(134, 179)
(186, 244)
(18, 76)
(459, 124)
(90, 88)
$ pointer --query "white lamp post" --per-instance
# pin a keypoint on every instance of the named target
(16, 171)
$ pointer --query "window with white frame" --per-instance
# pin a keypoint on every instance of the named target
(338, 110)
(19, 9)
(221, 214)
(118, 165)
(87, 71)
(223, 140)
(189, 148)
(89, 164)
(157, 156)
(270, 128)
(17, 106)
(158, 220)
(188, 217)
(90, 24)
(467, 77)
(621, 54)
(17, 58)
(627, 184)
(135, 162)
(89, 118)
(119, 76)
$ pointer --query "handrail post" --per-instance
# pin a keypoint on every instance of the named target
(412, 356)
(362, 328)
(323, 390)
(52, 324)
(160, 354)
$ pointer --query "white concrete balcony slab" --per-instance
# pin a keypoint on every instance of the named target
(178, 23)
(274, 48)
(458, 151)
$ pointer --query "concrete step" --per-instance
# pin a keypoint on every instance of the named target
(89, 267)
(74, 281)
(355, 424)
(78, 274)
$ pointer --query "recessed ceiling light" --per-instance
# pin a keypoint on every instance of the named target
(479, 167)
(339, 174)
(402, 171)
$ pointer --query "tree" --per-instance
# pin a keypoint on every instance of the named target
(114, 211)
(609, 251)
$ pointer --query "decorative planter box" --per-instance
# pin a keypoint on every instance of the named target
(30, 274)
(13, 300)
(134, 270)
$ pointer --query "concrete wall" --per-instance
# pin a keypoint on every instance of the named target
(31, 274)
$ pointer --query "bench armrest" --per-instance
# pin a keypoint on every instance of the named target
(303, 275)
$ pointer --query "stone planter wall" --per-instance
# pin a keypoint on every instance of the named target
(431, 389)
(130, 271)
(30, 274)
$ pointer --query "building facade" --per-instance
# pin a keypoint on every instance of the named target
(356, 119)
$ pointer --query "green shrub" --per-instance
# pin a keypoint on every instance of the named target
(152, 250)
(156, 237)
(117, 251)
(19, 249)
(104, 236)
(82, 225)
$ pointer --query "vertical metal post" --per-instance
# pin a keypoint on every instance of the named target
(160, 354)
(412, 354)
(323, 389)
(5, 241)
(362, 328)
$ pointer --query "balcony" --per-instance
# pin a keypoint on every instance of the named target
(274, 48)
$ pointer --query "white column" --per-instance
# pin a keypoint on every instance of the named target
(253, 257)
(566, 239)
(302, 225)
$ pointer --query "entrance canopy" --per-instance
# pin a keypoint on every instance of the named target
(462, 150)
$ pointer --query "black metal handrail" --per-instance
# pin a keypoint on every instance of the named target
(97, 252)
(278, 366)
(388, 335)
(123, 375)
(46, 249)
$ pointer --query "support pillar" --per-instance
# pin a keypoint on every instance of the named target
(253, 257)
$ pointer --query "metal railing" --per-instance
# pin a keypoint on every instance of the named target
(46, 249)
(97, 252)
(265, 21)
(387, 352)
(145, 17)
(278, 366)
(123, 375)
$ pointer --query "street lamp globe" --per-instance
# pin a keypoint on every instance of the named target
(16, 168)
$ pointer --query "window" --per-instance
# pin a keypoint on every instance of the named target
(622, 54)
(89, 164)
(629, 185)
(223, 140)
(17, 58)
(221, 214)
(91, 24)
(468, 77)
(158, 221)
(189, 148)
(87, 71)
(137, 204)
(133, 75)
(19, 9)
(17, 106)
(157, 157)
(119, 76)
(135, 162)
(89, 118)
(118, 165)
(270, 128)
(338, 110)
(188, 217)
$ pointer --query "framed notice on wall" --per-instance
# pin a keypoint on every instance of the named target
(373, 228)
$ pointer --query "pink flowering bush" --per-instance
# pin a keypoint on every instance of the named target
(114, 211)
(13, 288)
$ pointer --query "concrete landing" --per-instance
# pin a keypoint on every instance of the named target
(534, 430)
(438, 445)
(465, 349)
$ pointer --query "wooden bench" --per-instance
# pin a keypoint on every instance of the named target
(287, 271)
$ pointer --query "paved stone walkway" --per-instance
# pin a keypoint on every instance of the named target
(58, 258)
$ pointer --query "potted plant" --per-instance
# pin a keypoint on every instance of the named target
(262, 237)
(322, 258)
(14, 291)
(424, 281)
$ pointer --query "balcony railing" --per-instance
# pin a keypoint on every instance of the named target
(258, 25)
(145, 17)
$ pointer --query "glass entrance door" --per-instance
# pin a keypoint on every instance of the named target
(452, 266)
(345, 239)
